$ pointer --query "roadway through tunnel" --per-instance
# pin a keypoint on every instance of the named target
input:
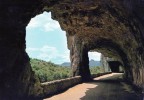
(106, 87)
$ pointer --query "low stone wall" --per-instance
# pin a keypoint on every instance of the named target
(57, 86)
(100, 74)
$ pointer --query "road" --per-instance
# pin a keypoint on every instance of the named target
(106, 87)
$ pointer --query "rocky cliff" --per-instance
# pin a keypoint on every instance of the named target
(112, 27)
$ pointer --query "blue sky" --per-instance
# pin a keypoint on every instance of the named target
(45, 40)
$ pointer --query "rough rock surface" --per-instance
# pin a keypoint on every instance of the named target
(17, 81)
(111, 64)
(112, 27)
(105, 64)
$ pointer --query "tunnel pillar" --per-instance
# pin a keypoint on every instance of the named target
(79, 60)
(17, 81)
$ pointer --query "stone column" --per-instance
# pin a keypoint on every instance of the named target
(16, 77)
(79, 60)
(104, 63)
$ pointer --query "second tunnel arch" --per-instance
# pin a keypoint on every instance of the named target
(111, 49)
(99, 45)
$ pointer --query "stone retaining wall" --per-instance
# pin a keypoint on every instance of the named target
(100, 74)
(57, 86)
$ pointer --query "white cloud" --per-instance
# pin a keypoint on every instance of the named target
(49, 53)
(65, 57)
(47, 48)
(32, 49)
(33, 24)
(44, 22)
(94, 55)
(51, 26)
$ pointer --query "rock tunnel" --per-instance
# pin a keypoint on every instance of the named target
(112, 27)
(111, 65)
(114, 66)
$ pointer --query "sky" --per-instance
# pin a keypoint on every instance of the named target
(46, 41)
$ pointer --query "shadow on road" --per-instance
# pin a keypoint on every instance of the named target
(111, 88)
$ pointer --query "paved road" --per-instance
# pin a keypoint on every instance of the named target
(107, 87)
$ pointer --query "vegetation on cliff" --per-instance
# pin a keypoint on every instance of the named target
(96, 69)
(48, 71)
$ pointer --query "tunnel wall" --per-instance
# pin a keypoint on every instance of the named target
(104, 63)
(113, 27)
(17, 80)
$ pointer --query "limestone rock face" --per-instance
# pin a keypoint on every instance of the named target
(111, 64)
(105, 64)
(16, 76)
(112, 27)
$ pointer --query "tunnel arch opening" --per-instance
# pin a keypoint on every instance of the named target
(47, 47)
(113, 52)
(95, 65)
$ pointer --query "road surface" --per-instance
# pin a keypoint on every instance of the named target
(106, 87)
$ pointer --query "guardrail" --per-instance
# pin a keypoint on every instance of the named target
(57, 86)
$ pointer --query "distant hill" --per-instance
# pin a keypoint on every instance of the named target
(66, 64)
(92, 63)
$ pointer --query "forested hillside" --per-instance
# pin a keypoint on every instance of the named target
(48, 71)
